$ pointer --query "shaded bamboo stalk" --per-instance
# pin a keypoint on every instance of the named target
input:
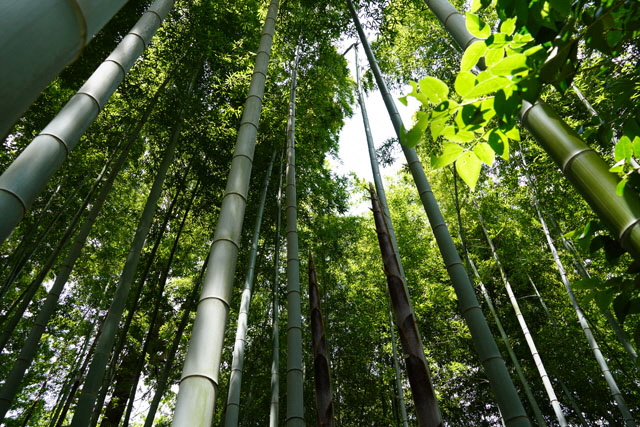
(235, 380)
(274, 410)
(525, 330)
(324, 401)
(418, 372)
(484, 342)
(195, 404)
(398, 376)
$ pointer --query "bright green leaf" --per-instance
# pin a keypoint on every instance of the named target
(499, 142)
(450, 153)
(412, 137)
(489, 86)
(485, 153)
(450, 133)
(472, 55)
(477, 27)
(437, 126)
(510, 65)
(493, 56)
(623, 149)
(465, 81)
(468, 166)
(509, 26)
(435, 89)
(636, 146)
(513, 133)
(618, 167)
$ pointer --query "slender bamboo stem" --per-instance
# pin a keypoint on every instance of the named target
(295, 402)
(235, 380)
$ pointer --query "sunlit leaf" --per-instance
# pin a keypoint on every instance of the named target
(450, 153)
(485, 153)
(508, 26)
(493, 56)
(477, 27)
(510, 65)
(464, 83)
(469, 166)
(623, 149)
(472, 55)
(435, 89)
(489, 86)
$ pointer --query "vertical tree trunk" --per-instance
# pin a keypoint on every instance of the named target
(499, 379)
(30, 171)
(235, 380)
(274, 411)
(324, 404)
(422, 389)
(195, 403)
(295, 402)
(525, 330)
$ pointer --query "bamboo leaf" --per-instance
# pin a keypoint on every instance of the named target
(450, 153)
(468, 166)
(472, 55)
(477, 27)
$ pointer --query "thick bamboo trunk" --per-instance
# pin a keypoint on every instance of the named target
(402, 409)
(274, 410)
(11, 386)
(28, 174)
(31, 57)
(86, 403)
(235, 380)
(424, 395)
(324, 401)
(525, 330)
(588, 173)
(195, 403)
(494, 366)
(295, 373)
(161, 384)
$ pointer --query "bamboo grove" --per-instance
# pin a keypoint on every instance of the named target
(166, 166)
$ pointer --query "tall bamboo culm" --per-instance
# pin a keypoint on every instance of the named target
(424, 396)
(295, 402)
(322, 376)
(31, 57)
(499, 379)
(525, 330)
(235, 380)
(23, 180)
(584, 168)
(602, 363)
(274, 411)
(196, 398)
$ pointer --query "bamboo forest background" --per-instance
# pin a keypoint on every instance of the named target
(180, 107)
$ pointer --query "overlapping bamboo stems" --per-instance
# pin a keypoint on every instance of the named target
(499, 379)
(381, 194)
(424, 395)
(8, 391)
(28, 174)
(153, 328)
(235, 379)
(505, 338)
(31, 57)
(86, 402)
(274, 410)
(588, 173)
(295, 374)
(195, 403)
(322, 376)
(525, 330)
(602, 363)
(161, 384)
